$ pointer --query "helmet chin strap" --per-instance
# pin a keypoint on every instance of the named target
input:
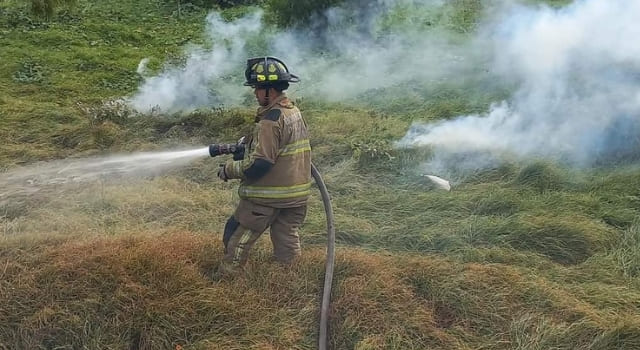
(266, 88)
(265, 101)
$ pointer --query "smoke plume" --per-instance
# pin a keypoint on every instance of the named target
(352, 49)
(577, 72)
(574, 73)
(201, 81)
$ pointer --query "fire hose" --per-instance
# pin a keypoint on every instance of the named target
(328, 272)
(237, 150)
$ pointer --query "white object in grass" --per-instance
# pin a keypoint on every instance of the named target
(439, 182)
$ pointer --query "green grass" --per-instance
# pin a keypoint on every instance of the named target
(529, 255)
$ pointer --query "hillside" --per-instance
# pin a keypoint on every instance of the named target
(528, 252)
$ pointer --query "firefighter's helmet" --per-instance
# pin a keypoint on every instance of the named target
(267, 71)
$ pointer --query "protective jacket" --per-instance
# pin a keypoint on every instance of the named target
(280, 146)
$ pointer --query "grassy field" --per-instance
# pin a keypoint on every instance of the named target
(529, 255)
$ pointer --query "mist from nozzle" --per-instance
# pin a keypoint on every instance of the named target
(44, 175)
(577, 70)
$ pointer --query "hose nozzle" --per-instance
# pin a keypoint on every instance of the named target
(227, 148)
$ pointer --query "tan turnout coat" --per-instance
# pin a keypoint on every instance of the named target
(281, 138)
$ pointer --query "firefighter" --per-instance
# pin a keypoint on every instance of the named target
(274, 174)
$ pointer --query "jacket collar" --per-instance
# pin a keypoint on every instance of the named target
(282, 100)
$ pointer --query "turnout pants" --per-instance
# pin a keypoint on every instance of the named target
(246, 225)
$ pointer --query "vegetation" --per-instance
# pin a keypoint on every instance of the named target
(46, 8)
(292, 13)
(524, 256)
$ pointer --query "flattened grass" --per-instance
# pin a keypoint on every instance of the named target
(525, 256)
(149, 291)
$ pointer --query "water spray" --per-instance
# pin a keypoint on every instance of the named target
(29, 180)
(43, 175)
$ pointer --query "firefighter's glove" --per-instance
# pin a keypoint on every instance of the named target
(222, 174)
(233, 170)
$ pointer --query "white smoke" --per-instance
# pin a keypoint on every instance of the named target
(575, 72)
(578, 75)
(362, 53)
(200, 82)
(350, 50)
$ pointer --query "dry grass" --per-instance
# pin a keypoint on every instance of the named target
(527, 256)
(493, 265)
(150, 292)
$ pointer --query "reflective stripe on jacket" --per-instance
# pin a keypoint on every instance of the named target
(282, 140)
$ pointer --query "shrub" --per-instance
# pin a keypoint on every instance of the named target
(114, 111)
(105, 134)
(372, 151)
(286, 13)
(46, 8)
(232, 3)
(209, 3)
(29, 72)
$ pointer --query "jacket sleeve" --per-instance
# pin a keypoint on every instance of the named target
(267, 141)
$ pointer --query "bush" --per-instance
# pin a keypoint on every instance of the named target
(232, 3)
(114, 111)
(46, 8)
(29, 72)
(286, 13)
(372, 151)
(209, 3)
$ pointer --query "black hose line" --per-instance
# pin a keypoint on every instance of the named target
(328, 274)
